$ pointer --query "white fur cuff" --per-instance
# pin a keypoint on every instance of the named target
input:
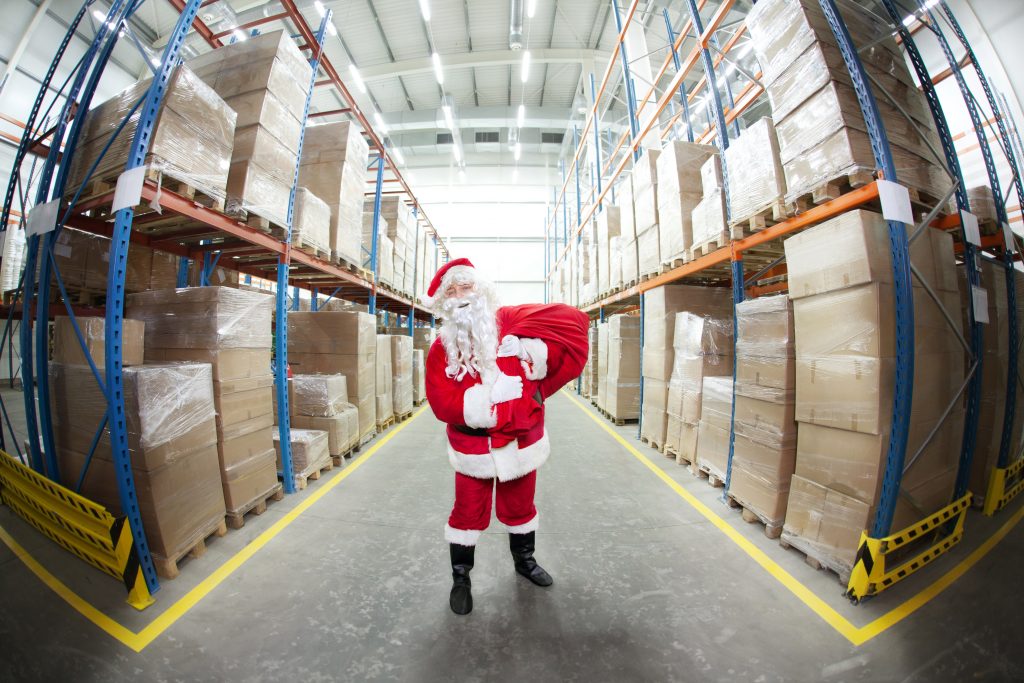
(525, 528)
(461, 536)
(477, 409)
(538, 351)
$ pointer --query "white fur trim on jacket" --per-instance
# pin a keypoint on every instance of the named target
(462, 536)
(506, 463)
(477, 409)
(525, 528)
(538, 351)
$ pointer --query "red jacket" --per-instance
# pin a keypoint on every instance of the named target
(508, 440)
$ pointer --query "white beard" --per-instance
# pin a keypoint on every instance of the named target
(470, 337)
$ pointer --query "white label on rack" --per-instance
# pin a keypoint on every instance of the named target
(970, 223)
(62, 250)
(42, 218)
(980, 295)
(3, 239)
(129, 188)
(1011, 243)
(220, 275)
(895, 202)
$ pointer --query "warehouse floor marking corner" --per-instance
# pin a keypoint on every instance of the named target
(856, 635)
(139, 641)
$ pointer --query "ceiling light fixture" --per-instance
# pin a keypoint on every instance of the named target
(425, 9)
(524, 75)
(521, 116)
(518, 152)
(457, 152)
(438, 69)
(357, 77)
(319, 7)
(531, 8)
(449, 120)
(332, 29)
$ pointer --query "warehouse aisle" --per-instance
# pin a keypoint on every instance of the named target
(645, 589)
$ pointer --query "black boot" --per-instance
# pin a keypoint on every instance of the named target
(461, 599)
(522, 546)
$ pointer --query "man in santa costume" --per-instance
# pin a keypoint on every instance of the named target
(491, 395)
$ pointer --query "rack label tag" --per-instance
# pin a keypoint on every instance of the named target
(971, 231)
(980, 295)
(1011, 244)
(895, 200)
(129, 188)
(42, 218)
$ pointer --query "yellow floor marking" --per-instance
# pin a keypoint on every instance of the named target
(139, 641)
(856, 635)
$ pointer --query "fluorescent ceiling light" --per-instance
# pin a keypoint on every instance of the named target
(449, 120)
(357, 77)
(379, 120)
(425, 9)
(531, 8)
(319, 7)
(331, 28)
(524, 75)
(521, 117)
(518, 152)
(457, 152)
(438, 69)
(239, 36)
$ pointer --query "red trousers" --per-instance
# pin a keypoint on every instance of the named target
(472, 511)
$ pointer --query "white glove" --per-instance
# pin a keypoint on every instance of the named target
(506, 388)
(511, 346)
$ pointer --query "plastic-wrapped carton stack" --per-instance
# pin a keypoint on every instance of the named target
(602, 365)
(708, 216)
(660, 308)
(585, 266)
(12, 258)
(384, 380)
(821, 132)
(764, 453)
(401, 230)
(622, 395)
(385, 248)
(230, 329)
(840, 278)
(713, 429)
(756, 180)
(590, 372)
(608, 227)
(419, 377)
(615, 258)
(172, 443)
(334, 157)
(320, 402)
(309, 448)
(68, 351)
(401, 374)
(311, 224)
(329, 342)
(627, 231)
(679, 193)
(191, 142)
(265, 79)
(645, 212)
(703, 349)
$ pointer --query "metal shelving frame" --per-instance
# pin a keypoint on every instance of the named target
(212, 239)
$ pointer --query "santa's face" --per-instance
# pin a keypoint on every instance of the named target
(469, 329)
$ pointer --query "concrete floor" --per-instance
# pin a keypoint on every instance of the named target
(646, 588)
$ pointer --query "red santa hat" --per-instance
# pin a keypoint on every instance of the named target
(460, 265)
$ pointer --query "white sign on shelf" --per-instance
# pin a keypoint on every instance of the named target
(971, 231)
(128, 193)
(42, 218)
(980, 295)
(1011, 244)
(895, 200)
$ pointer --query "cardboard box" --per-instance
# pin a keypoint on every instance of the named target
(763, 497)
(241, 448)
(243, 399)
(756, 178)
(655, 417)
(764, 327)
(265, 110)
(340, 430)
(318, 395)
(773, 463)
(260, 191)
(713, 449)
(660, 307)
(622, 399)
(764, 421)
(769, 378)
(227, 364)
(66, 348)
(249, 480)
(326, 332)
(203, 317)
(826, 521)
(309, 450)
(848, 250)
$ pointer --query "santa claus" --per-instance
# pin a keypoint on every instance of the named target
(491, 395)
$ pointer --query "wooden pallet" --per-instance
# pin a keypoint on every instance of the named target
(312, 473)
(828, 190)
(653, 444)
(673, 264)
(366, 438)
(772, 529)
(339, 460)
(167, 567)
(419, 402)
(814, 558)
(403, 417)
(236, 519)
(312, 250)
(714, 479)
(108, 183)
(386, 424)
(771, 213)
(733, 232)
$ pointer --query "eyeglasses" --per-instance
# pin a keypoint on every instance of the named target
(459, 290)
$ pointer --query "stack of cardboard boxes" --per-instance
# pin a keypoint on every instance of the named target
(679, 193)
(383, 382)
(622, 390)
(645, 212)
(708, 217)
(334, 158)
(311, 224)
(401, 230)
(764, 453)
(713, 430)
(756, 180)
(327, 343)
(591, 378)
(821, 131)
(608, 227)
(230, 329)
(321, 402)
(265, 80)
(840, 278)
(602, 365)
(385, 248)
(401, 374)
(419, 377)
(627, 227)
(309, 449)
(83, 260)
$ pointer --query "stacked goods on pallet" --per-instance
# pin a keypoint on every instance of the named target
(230, 329)
(334, 157)
(218, 276)
(12, 258)
(385, 248)
(714, 426)
(67, 349)
(840, 280)
(622, 395)
(982, 206)
(585, 266)
(265, 80)
(328, 342)
(401, 230)
(384, 378)
(627, 231)
(756, 180)
(602, 365)
(423, 337)
(702, 345)
(764, 451)
(191, 141)
(172, 444)
(645, 212)
(311, 224)
(590, 372)
(615, 263)
(310, 454)
(608, 228)
(708, 216)
(679, 193)
(401, 374)
(419, 377)
(660, 308)
(821, 132)
(320, 402)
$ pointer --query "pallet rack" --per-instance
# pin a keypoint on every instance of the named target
(725, 266)
(213, 238)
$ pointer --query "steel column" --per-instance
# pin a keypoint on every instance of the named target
(682, 84)
(737, 298)
(376, 226)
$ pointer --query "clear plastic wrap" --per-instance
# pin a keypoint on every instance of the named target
(260, 191)
(770, 424)
(608, 228)
(712, 449)
(13, 258)
(824, 523)
(273, 62)
(764, 327)
(264, 110)
(762, 489)
(765, 377)
(203, 317)
(655, 415)
(249, 480)
(318, 395)
(707, 220)
(309, 450)
(402, 373)
(716, 401)
(676, 222)
(385, 261)
(191, 141)
(615, 263)
(701, 335)
(311, 226)
(982, 204)
(419, 387)
(755, 172)
(848, 250)
(711, 175)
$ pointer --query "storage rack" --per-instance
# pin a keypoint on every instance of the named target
(725, 266)
(214, 238)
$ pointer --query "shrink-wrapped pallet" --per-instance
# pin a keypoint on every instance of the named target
(311, 226)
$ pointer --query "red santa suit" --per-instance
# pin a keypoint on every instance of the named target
(506, 441)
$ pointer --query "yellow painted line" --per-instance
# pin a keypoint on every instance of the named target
(139, 641)
(856, 635)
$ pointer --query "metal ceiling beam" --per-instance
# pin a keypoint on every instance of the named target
(466, 60)
(391, 55)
